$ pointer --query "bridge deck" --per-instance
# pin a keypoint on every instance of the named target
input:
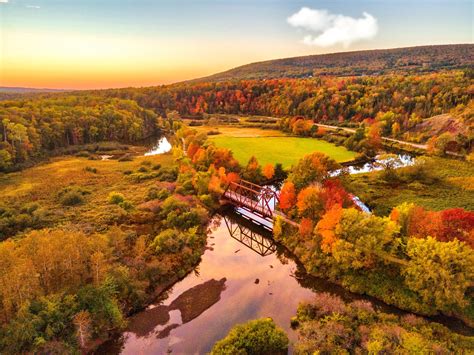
(253, 205)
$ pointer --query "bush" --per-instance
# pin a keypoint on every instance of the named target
(72, 196)
(330, 326)
(90, 169)
(169, 174)
(172, 241)
(142, 169)
(116, 198)
(259, 336)
(126, 205)
(83, 154)
(155, 193)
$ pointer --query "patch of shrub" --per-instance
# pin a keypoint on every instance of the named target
(143, 169)
(169, 174)
(155, 193)
(156, 167)
(207, 201)
(91, 169)
(260, 336)
(330, 326)
(83, 154)
(126, 205)
(170, 241)
(14, 219)
(115, 198)
(72, 196)
(127, 172)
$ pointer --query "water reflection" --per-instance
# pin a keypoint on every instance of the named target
(400, 161)
(163, 146)
(245, 232)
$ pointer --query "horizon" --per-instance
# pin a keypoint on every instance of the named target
(53, 44)
(60, 89)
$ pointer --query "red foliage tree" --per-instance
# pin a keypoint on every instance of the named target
(457, 223)
(334, 193)
(424, 223)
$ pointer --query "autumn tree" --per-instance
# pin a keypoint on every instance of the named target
(457, 223)
(312, 168)
(326, 228)
(310, 203)
(82, 321)
(374, 137)
(253, 171)
(287, 196)
(440, 272)
(268, 171)
(306, 227)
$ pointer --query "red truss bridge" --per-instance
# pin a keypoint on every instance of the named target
(260, 200)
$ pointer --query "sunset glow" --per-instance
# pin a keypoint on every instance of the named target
(55, 44)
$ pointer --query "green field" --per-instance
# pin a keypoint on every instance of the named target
(284, 150)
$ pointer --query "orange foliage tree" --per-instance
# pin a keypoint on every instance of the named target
(306, 227)
(192, 149)
(326, 228)
(268, 171)
(287, 196)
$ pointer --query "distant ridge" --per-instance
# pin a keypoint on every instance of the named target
(21, 90)
(420, 59)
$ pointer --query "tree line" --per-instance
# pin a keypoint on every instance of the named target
(31, 128)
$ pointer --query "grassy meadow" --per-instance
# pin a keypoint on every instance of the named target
(41, 185)
(450, 185)
(271, 146)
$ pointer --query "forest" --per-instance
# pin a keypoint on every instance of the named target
(410, 60)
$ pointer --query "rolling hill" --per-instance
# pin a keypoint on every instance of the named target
(369, 62)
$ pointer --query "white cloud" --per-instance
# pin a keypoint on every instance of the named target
(3, 1)
(331, 29)
(33, 6)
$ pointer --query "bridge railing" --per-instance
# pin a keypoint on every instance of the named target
(258, 199)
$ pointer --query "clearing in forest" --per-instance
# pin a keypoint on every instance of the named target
(284, 150)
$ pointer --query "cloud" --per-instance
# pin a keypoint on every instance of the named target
(33, 6)
(331, 29)
(3, 1)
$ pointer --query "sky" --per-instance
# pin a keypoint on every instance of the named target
(81, 44)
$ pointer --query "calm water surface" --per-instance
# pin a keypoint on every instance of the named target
(232, 284)
(242, 276)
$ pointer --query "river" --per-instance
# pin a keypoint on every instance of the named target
(242, 275)
(232, 284)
